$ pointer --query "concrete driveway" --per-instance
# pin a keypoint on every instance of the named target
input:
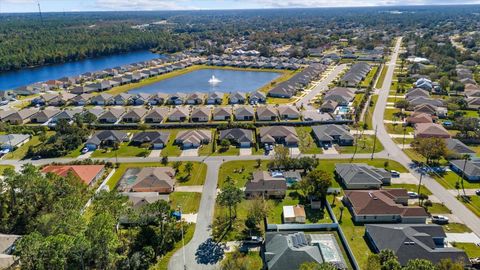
(294, 151)
(463, 238)
(190, 152)
(155, 153)
(245, 151)
(405, 178)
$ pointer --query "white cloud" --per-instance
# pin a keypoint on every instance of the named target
(142, 5)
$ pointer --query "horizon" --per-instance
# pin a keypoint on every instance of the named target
(52, 6)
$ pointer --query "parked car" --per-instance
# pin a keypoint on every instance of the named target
(253, 240)
(84, 150)
(440, 220)
(477, 192)
(394, 173)
(412, 195)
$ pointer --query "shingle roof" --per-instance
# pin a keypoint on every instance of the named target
(154, 137)
(86, 173)
(458, 147)
(239, 135)
(354, 173)
(325, 132)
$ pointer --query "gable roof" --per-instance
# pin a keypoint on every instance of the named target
(458, 147)
(86, 173)
(196, 136)
(153, 137)
(152, 177)
(472, 167)
(359, 173)
(238, 135)
(107, 135)
(326, 132)
(431, 130)
(268, 134)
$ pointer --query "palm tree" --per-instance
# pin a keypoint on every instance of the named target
(465, 159)
(189, 168)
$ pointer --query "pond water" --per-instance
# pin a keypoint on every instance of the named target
(14, 79)
(198, 80)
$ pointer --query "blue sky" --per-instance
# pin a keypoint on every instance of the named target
(111, 5)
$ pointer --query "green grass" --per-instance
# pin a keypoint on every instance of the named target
(162, 263)
(197, 176)
(353, 233)
(438, 208)
(456, 228)
(231, 151)
(413, 155)
(251, 260)
(449, 179)
(170, 149)
(389, 114)
(189, 201)
(271, 100)
(307, 144)
(473, 204)
(365, 83)
(397, 129)
(369, 113)
(21, 151)
(408, 141)
(206, 149)
(393, 99)
(3, 167)
(125, 150)
(364, 145)
(239, 171)
(472, 250)
(411, 187)
(75, 153)
(381, 78)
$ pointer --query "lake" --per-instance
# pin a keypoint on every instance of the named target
(231, 80)
(14, 79)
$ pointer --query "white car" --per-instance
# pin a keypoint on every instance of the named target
(412, 195)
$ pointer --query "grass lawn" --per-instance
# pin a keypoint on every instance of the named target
(381, 77)
(438, 208)
(307, 144)
(125, 150)
(170, 149)
(329, 165)
(197, 176)
(456, 228)
(162, 263)
(365, 83)
(449, 179)
(239, 171)
(354, 233)
(411, 187)
(206, 149)
(413, 155)
(393, 99)
(397, 129)
(251, 260)
(364, 145)
(3, 167)
(369, 113)
(473, 204)
(189, 201)
(75, 153)
(21, 151)
(389, 114)
(231, 151)
(472, 250)
(293, 198)
(271, 100)
(408, 141)
(475, 148)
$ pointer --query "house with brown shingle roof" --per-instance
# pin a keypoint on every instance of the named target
(279, 135)
(288, 112)
(111, 116)
(20, 117)
(386, 205)
(193, 138)
(266, 113)
(152, 179)
(419, 117)
(425, 108)
(430, 130)
(222, 114)
(263, 184)
(44, 115)
(135, 115)
(244, 113)
(156, 115)
(179, 114)
(200, 114)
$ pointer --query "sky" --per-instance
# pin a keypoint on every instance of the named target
(122, 5)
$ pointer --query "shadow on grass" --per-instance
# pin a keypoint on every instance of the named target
(209, 252)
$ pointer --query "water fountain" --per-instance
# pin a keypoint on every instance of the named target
(214, 80)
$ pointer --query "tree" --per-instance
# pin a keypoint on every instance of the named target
(258, 210)
(341, 208)
(281, 157)
(259, 162)
(466, 158)
(316, 184)
(188, 168)
(164, 160)
(230, 196)
(447, 264)
(430, 148)
(225, 144)
(307, 163)
(101, 233)
(419, 264)
(176, 166)
(317, 266)
(373, 262)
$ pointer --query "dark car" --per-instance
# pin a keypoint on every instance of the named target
(253, 240)
(36, 157)
(477, 192)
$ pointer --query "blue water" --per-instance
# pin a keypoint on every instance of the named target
(14, 79)
(231, 80)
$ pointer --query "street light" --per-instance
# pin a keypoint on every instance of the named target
(183, 239)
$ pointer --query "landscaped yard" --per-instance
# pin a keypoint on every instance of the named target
(239, 171)
(370, 110)
(381, 77)
(438, 208)
(472, 250)
(124, 150)
(398, 129)
(170, 149)
(411, 187)
(251, 260)
(364, 144)
(197, 176)
(21, 151)
(188, 201)
(449, 179)
(456, 228)
(473, 204)
(365, 83)
(3, 167)
(307, 144)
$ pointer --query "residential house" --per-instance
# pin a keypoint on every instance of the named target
(157, 99)
(67, 115)
(201, 114)
(263, 184)
(102, 99)
(237, 98)
(193, 138)
(244, 113)
(111, 116)
(222, 114)
(327, 135)
(430, 130)
(44, 115)
(279, 135)
(419, 117)
(424, 83)
(257, 97)
(425, 108)
(179, 114)
(176, 99)
(106, 138)
(468, 169)
(13, 141)
(214, 98)
(140, 199)
(423, 100)
(140, 99)
(416, 93)
(341, 95)
(294, 214)
(7, 248)
(383, 206)
(122, 99)
(156, 139)
(151, 179)
(81, 100)
(328, 106)
(458, 148)
(473, 103)
(88, 174)
(362, 176)
(156, 115)
(134, 115)
(19, 117)
(195, 98)
(237, 136)
(288, 112)
(266, 113)
(356, 74)
(414, 241)
(287, 250)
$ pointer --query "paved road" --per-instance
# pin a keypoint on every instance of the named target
(322, 86)
(457, 208)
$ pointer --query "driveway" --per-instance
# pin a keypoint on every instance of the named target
(405, 178)
(294, 151)
(190, 152)
(198, 189)
(245, 151)
(463, 238)
(330, 151)
(155, 153)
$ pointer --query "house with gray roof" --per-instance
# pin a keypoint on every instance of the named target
(237, 136)
(244, 113)
(458, 148)
(237, 98)
(200, 114)
(266, 113)
(222, 114)
(12, 141)
(176, 99)
(122, 99)
(81, 100)
(257, 97)
(214, 98)
(67, 115)
(193, 138)
(289, 250)
(102, 99)
(279, 135)
(470, 169)
(156, 115)
(264, 184)
(106, 138)
(329, 106)
(288, 112)
(19, 117)
(356, 74)
(414, 241)
(179, 114)
(195, 98)
(156, 139)
(362, 176)
(111, 116)
(134, 115)
(44, 115)
(157, 99)
(333, 134)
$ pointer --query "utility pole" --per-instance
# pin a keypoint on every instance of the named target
(374, 141)
(40, 11)
(420, 183)
(403, 142)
